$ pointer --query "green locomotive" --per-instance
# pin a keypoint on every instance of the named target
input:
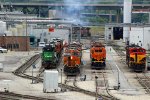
(51, 54)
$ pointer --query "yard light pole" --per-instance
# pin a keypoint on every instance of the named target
(96, 86)
(118, 78)
(33, 66)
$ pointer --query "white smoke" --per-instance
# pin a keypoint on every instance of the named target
(74, 9)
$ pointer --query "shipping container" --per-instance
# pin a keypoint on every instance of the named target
(50, 83)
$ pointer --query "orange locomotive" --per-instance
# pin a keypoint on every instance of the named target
(72, 59)
(98, 55)
(136, 57)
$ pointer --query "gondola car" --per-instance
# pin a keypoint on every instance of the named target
(51, 54)
(72, 59)
(136, 57)
(97, 55)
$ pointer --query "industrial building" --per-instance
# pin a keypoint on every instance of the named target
(56, 56)
(15, 43)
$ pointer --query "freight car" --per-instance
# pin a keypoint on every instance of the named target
(136, 57)
(51, 53)
(97, 55)
(72, 59)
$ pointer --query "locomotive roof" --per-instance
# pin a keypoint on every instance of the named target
(133, 45)
(97, 44)
(48, 47)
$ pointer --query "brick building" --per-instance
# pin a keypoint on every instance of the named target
(16, 43)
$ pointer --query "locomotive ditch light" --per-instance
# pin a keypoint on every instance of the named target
(71, 57)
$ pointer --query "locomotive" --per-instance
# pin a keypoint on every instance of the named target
(72, 59)
(97, 55)
(136, 57)
(51, 53)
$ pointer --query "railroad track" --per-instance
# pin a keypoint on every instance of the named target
(20, 72)
(144, 81)
(120, 53)
(102, 75)
(70, 79)
(106, 85)
(15, 96)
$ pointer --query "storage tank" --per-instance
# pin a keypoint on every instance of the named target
(24, 29)
(52, 13)
(50, 83)
(2, 27)
(14, 31)
(20, 30)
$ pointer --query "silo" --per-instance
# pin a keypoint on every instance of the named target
(20, 30)
(2, 27)
(24, 29)
(14, 31)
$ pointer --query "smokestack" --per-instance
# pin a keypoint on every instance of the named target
(127, 18)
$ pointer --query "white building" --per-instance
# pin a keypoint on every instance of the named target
(140, 36)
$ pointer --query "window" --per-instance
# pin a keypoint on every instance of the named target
(134, 50)
(98, 50)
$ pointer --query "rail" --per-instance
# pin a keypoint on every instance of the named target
(20, 72)
(144, 81)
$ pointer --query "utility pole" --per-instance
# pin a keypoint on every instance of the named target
(118, 80)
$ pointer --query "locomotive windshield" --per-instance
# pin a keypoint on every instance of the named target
(75, 54)
(138, 50)
(48, 48)
(98, 50)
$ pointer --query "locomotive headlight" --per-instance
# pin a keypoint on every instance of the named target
(71, 57)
